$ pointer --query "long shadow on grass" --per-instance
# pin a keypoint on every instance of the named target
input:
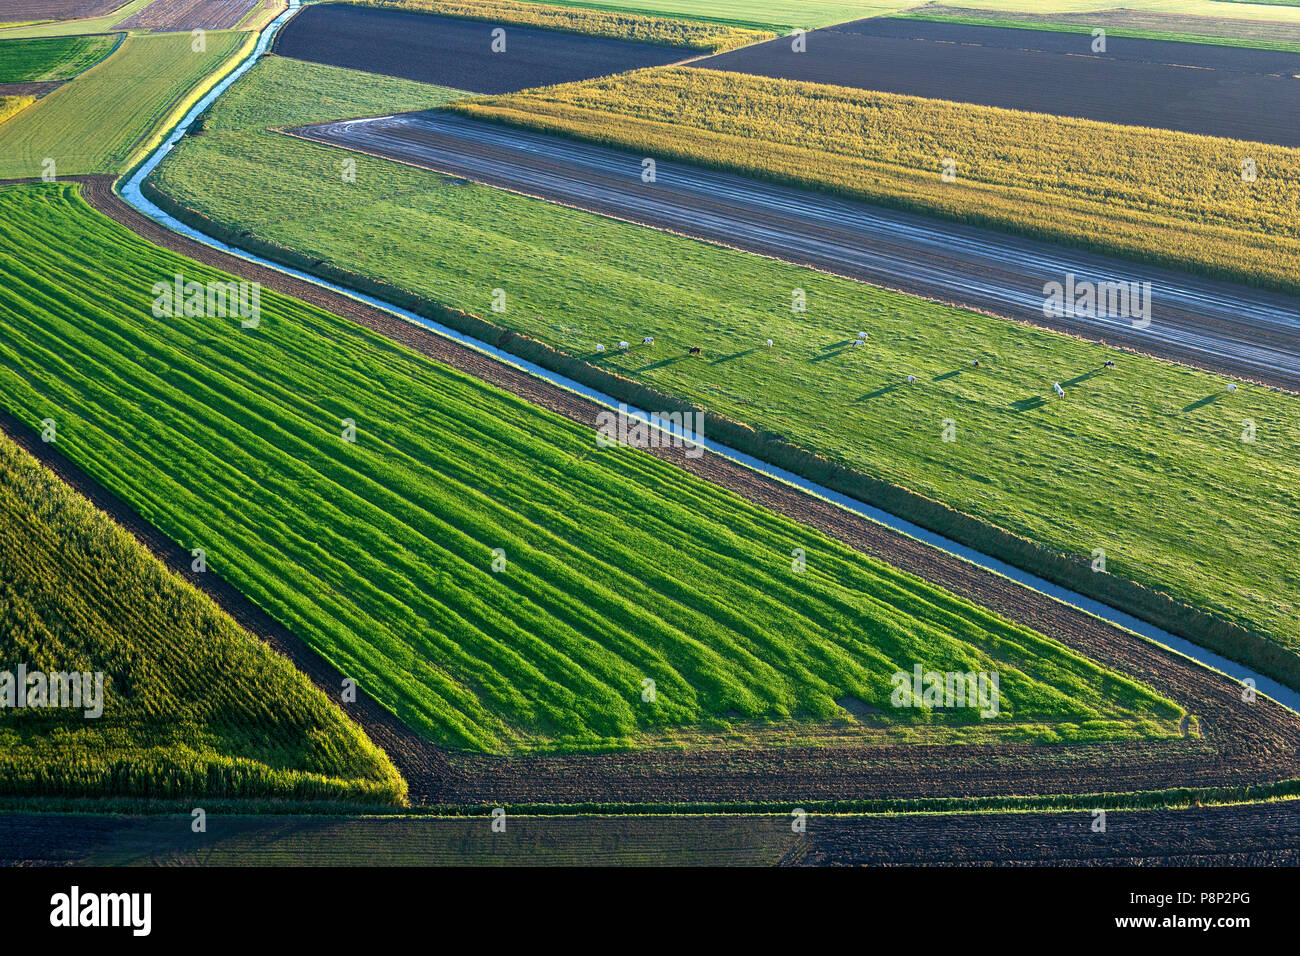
(1029, 404)
(732, 357)
(1201, 403)
(883, 390)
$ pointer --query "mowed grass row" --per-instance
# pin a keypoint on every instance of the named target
(29, 61)
(192, 705)
(618, 567)
(755, 14)
(1144, 462)
(1170, 198)
(98, 122)
(620, 26)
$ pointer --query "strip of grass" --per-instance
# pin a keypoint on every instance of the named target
(642, 29)
(1145, 462)
(192, 705)
(618, 567)
(100, 121)
(1174, 199)
(65, 28)
(33, 61)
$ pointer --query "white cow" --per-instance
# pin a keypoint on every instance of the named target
(911, 379)
(623, 345)
(769, 343)
(1056, 387)
(1231, 387)
(648, 340)
(599, 347)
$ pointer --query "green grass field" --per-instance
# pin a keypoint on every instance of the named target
(1145, 462)
(192, 706)
(100, 122)
(31, 61)
(755, 14)
(379, 552)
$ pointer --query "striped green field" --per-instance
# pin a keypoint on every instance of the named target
(100, 122)
(191, 705)
(34, 61)
(615, 567)
(1146, 462)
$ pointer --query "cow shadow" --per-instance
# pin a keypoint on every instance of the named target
(1202, 402)
(947, 375)
(722, 359)
(1079, 379)
(883, 390)
(1029, 404)
(661, 363)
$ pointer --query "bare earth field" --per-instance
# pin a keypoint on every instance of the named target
(1194, 88)
(457, 53)
(22, 11)
(166, 15)
(1262, 834)
(1231, 742)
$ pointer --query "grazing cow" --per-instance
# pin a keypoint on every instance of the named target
(1231, 387)
(857, 342)
(1056, 387)
(862, 335)
(648, 340)
(1109, 364)
(599, 347)
(623, 345)
(769, 343)
(911, 379)
(695, 350)
(976, 363)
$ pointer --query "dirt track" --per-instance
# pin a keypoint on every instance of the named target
(1240, 743)
(1216, 325)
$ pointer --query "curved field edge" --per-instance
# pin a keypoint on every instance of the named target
(113, 115)
(191, 705)
(1172, 199)
(589, 557)
(1219, 623)
(697, 36)
(55, 58)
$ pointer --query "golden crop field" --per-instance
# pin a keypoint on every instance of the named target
(622, 26)
(11, 105)
(1170, 198)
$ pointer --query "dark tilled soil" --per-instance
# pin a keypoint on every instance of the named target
(1240, 743)
(189, 15)
(1194, 88)
(23, 11)
(1259, 835)
(457, 53)
(30, 89)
